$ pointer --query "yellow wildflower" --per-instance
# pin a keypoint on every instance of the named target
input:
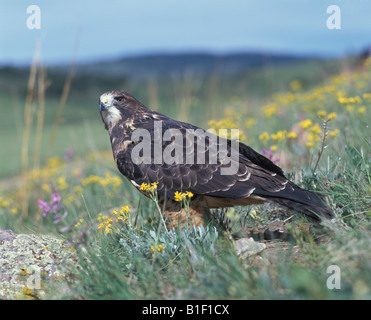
(305, 123)
(361, 110)
(107, 225)
(264, 136)
(253, 214)
(124, 209)
(101, 217)
(292, 135)
(270, 110)
(295, 85)
(144, 186)
(153, 186)
(45, 187)
(312, 139)
(160, 248)
(89, 180)
(334, 133)
(357, 99)
(310, 144)
(78, 224)
(189, 194)
(178, 196)
(279, 136)
(321, 113)
(274, 148)
(4, 203)
(77, 189)
(62, 184)
(331, 116)
(54, 162)
(315, 128)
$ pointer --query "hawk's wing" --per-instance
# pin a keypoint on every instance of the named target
(253, 172)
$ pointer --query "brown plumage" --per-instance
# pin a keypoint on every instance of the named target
(255, 180)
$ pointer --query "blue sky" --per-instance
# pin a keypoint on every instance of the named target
(90, 30)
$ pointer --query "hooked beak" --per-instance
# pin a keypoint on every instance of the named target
(102, 107)
(103, 104)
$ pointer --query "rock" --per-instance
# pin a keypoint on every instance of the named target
(247, 247)
(6, 235)
(31, 263)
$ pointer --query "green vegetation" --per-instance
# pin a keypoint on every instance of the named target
(310, 116)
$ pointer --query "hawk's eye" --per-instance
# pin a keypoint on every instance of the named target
(120, 99)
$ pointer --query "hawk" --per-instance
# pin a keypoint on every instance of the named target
(253, 180)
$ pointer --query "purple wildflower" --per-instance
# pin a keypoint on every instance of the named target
(69, 153)
(269, 154)
(44, 207)
(54, 206)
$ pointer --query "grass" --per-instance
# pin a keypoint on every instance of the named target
(126, 253)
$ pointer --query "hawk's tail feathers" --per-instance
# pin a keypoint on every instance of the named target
(302, 201)
(315, 213)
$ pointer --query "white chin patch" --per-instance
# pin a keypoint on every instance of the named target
(111, 116)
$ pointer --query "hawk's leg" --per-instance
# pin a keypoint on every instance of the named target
(177, 214)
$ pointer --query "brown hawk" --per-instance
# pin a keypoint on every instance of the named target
(190, 159)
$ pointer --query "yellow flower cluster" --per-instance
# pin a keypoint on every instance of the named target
(108, 180)
(53, 165)
(351, 102)
(159, 248)
(279, 136)
(7, 204)
(264, 136)
(106, 223)
(61, 183)
(223, 128)
(179, 196)
(292, 135)
(334, 133)
(122, 213)
(149, 186)
(305, 123)
(367, 96)
(323, 115)
(79, 223)
(344, 100)
(270, 109)
(4, 203)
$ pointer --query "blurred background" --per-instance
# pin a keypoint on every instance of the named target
(193, 60)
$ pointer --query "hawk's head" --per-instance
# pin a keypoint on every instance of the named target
(117, 105)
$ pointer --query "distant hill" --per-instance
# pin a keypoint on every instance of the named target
(248, 69)
(164, 65)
